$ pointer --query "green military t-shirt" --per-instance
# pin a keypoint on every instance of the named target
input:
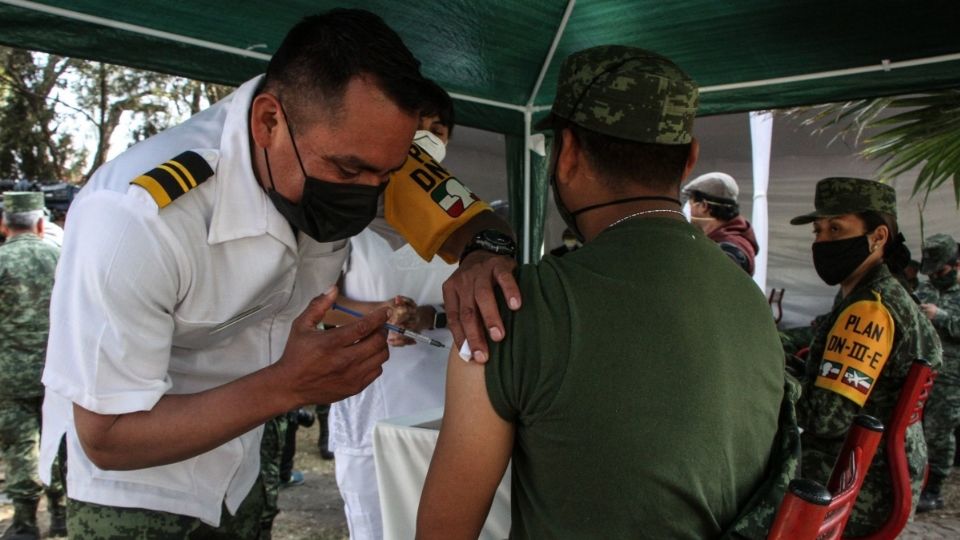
(644, 375)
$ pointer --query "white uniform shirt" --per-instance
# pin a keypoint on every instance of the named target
(413, 379)
(179, 300)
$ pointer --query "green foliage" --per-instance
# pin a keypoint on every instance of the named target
(49, 105)
(901, 133)
(31, 144)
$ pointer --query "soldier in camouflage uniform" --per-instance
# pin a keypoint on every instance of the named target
(940, 297)
(861, 354)
(27, 266)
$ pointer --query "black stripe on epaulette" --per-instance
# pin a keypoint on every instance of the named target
(175, 177)
(197, 166)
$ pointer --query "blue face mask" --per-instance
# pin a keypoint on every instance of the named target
(327, 211)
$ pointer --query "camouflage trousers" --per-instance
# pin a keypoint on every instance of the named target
(941, 417)
(20, 445)
(271, 450)
(89, 521)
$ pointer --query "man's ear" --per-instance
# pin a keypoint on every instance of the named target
(692, 158)
(39, 227)
(265, 119)
(570, 159)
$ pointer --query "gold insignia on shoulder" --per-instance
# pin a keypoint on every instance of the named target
(177, 176)
(857, 348)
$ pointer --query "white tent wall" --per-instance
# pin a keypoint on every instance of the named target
(798, 161)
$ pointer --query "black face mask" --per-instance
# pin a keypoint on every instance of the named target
(945, 281)
(836, 260)
(570, 217)
(327, 211)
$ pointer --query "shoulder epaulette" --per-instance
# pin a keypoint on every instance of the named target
(175, 177)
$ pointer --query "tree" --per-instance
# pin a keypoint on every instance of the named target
(902, 132)
(32, 144)
(47, 102)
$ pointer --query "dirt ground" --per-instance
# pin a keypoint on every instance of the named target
(311, 511)
(314, 511)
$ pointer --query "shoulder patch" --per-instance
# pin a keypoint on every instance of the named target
(175, 177)
(856, 350)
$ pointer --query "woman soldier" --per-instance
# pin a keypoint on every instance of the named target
(861, 354)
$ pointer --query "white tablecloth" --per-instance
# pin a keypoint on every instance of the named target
(402, 448)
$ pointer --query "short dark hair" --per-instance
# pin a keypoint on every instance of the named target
(322, 53)
(437, 102)
(723, 210)
(620, 161)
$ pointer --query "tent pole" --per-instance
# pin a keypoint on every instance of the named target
(482, 101)
(553, 49)
(527, 248)
(528, 128)
(885, 65)
(761, 136)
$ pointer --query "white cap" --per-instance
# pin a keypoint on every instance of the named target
(715, 184)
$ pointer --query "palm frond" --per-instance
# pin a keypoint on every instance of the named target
(901, 133)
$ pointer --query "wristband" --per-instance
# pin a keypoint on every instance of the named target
(493, 241)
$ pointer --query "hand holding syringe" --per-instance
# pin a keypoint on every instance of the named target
(394, 328)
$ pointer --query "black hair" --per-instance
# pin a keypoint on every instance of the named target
(722, 209)
(437, 102)
(620, 162)
(895, 252)
(322, 53)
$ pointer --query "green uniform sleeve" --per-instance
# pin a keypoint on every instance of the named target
(825, 414)
(526, 369)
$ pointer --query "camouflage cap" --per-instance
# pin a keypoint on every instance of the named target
(938, 250)
(15, 202)
(625, 92)
(838, 196)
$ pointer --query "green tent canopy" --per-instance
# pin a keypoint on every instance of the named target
(499, 58)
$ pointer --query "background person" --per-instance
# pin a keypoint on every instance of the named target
(183, 318)
(940, 303)
(606, 405)
(714, 208)
(414, 379)
(27, 266)
(862, 351)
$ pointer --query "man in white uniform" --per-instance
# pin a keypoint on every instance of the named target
(414, 379)
(182, 317)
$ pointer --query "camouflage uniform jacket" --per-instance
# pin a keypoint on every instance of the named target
(27, 265)
(826, 415)
(947, 324)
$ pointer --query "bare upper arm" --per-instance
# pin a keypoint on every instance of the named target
(473, 450)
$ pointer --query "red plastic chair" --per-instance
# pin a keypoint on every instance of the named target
(909, 411)
(809, 511)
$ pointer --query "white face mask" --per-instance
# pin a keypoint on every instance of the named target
(431, 143)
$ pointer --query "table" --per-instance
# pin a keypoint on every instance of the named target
(402, 449)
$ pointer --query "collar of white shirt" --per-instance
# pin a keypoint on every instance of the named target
(242, 209)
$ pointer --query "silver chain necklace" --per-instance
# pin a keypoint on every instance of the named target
(645, 212)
